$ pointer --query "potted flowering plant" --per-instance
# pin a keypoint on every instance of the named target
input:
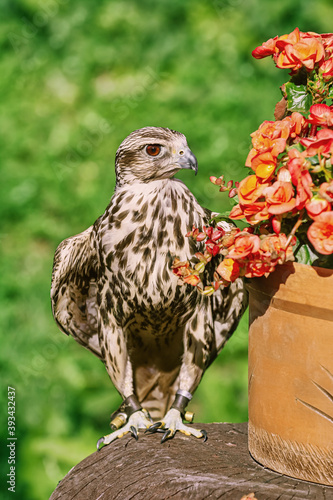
(285, 247)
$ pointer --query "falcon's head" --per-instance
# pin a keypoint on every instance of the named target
(153, 153)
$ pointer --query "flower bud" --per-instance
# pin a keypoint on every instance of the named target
(200, 267)
(208, 290)
(216, 180)
(200, 237)
(232, 192)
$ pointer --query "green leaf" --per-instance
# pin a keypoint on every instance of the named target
(330, 93)
(324, 261)
(305, 254)
(298, 98)
(223, 216)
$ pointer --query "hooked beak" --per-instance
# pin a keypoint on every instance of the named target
(188, 160)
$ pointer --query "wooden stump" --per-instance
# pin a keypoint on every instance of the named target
(182, 468)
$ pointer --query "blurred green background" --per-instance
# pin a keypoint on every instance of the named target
(76, 78)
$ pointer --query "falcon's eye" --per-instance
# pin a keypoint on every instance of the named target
(153, 149)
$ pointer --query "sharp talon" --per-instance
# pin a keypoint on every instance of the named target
(134, 432)
(157, 425)
(99, 442)
(153, 428)
(204, 435)
(168, 434)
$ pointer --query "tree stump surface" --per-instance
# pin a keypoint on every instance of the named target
(182, 468)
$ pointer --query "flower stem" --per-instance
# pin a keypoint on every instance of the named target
(294, 229)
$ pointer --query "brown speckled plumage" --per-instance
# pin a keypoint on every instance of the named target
(113, 289)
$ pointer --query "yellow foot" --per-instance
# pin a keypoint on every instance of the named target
(138, 420)
(172, 422)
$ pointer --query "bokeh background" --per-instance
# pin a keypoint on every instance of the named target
(76, 77)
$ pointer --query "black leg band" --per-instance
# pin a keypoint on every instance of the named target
(129, 406)
(181, 402)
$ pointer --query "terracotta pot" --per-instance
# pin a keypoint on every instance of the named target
(291, 372)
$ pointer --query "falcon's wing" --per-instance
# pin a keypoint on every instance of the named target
(74, 289)
(228, 306)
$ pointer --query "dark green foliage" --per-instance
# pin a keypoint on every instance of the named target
(76, 78)
(298, 98)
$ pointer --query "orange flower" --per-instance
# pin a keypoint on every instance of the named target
(256, 213)
(273, 244)
(309, 52)
(245, 244)
(321, 114)
(280, 197)
(320, 233)
(264, 144)
(192, 279)
(249, 496)
(266, 49)
(253, 152)
(321, 144)
(228, 269)
(290, 38)
(290, 126)
(264, 165)
(268, 142)
(229, 238)
(300, 177)
(257, 268)
(326, 70)
(276, 224)
(271, 130)
(327, 40)
(250, 190)
(297, 124)
(326, 191)
(296, 49)
(316, 206)
(283, 175)
(253, 213)
(180, 268)
(297, 162)
(273, 249)
(299, 49)
(236, 212)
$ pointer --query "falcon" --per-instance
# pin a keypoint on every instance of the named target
(113, 289)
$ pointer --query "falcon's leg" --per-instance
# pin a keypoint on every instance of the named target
(131, 416)
(173, 420)
(138, 420)
(198, 342)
